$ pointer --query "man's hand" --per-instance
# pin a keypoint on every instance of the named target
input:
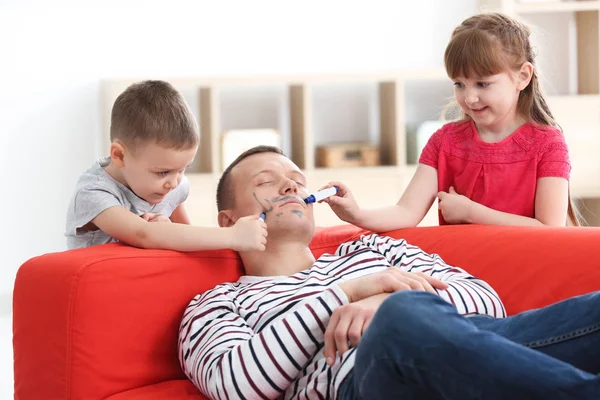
(456, 208)
(348, 324)
(152, 217)
(389, 281)
(249, 233)
(343, 203)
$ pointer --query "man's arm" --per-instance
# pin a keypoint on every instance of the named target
(468, 294)
(225, 358)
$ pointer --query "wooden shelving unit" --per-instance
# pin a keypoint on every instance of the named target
(556, 6)
(577, 113)
(390, 86)
(373, 186)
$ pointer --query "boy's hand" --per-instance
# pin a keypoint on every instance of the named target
(348, 324)
(389, 281)
(343, 203)
(249, 233)
(152, 217)
(456, 208)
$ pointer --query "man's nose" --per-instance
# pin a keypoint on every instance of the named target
(289, 187)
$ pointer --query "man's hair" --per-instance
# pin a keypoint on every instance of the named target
(153, 111)
(225, 196)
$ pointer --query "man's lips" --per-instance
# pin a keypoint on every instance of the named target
(293, 201)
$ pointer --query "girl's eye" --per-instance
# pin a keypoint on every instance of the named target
(483, 84)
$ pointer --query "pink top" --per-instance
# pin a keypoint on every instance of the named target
(502, 176)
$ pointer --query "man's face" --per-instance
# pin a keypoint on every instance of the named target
(272, 184)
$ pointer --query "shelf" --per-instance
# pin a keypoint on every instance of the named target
(556, 6)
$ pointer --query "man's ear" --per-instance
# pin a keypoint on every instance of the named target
(524, 75)
(225, 219)
(117, 153)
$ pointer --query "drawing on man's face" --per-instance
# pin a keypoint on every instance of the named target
(266, 210)
(280, 199)
(298, 213)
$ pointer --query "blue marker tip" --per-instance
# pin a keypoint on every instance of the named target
(321, 194)
(263, 216)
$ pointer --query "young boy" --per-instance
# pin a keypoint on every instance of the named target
(133, 195)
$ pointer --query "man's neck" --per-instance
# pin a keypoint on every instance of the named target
(278, 259)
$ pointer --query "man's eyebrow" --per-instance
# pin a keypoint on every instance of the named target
(299, 173)
(264, 171)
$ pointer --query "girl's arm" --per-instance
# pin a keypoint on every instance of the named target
(408, 212)
(551, 204)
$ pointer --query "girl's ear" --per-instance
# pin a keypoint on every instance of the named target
(524, 75)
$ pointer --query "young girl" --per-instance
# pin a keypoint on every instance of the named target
(505, 162)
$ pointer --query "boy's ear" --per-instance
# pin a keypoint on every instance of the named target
(225, 219)
(117, 154)
(524, 76)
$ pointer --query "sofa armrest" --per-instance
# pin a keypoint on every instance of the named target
(93, 322)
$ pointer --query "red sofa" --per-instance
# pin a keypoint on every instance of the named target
(102, 322)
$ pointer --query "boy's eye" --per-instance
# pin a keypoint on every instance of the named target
(458, 84)
(162, 173)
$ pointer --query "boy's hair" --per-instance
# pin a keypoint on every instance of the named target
(153, 111)
(490, 43)
(225, 195)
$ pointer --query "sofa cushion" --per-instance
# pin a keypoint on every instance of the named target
(181, 389)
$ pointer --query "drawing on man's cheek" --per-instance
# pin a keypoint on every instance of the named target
(297, 212)
(266, 210)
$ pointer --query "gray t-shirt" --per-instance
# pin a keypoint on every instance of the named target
(97, 191)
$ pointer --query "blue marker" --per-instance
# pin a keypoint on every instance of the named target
(321, 194)
(263, 216)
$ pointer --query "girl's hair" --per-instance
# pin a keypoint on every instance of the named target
(490, 43)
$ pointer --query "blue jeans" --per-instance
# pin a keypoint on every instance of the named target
(419, 347)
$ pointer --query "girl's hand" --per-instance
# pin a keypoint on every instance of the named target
(456, 208)
(343, 203)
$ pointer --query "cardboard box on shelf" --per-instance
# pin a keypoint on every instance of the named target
(347, 155)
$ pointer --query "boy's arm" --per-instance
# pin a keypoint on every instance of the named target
(180, 215)
(468, 294)
(128, 228)
(225, 358)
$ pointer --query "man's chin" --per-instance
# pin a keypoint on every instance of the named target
(291, 227)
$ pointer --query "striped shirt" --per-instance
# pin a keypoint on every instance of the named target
(262, 337)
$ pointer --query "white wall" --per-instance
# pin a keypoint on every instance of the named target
(53, 58)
